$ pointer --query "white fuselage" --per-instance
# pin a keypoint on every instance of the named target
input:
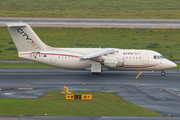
(69, 58)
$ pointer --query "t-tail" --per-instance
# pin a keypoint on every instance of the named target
(25, 38)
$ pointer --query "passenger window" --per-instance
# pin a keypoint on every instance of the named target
(139, 57)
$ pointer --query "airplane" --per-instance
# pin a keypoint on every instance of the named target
(96, 60)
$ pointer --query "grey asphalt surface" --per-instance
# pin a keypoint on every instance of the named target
(144, 91)
(94, 22)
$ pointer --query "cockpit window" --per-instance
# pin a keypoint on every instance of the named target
(155, 57)
(161, 57)
(158, 57)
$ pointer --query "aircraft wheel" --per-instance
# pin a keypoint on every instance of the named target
(163, 73)
(96, 73)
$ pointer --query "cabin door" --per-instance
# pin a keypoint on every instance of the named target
(53, 59)
(145, 59)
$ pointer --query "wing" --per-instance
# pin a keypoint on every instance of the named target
(97, 53)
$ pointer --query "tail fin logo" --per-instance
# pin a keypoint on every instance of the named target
(24, 34)
(28, 38)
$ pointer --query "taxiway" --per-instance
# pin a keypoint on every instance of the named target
(94, 22)
(151, 90)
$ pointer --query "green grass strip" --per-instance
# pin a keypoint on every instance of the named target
(23, 65)
(164, 41)
(54, 103)
(91, 8)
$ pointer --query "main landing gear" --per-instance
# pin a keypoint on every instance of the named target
(94, 73)
(163, 73)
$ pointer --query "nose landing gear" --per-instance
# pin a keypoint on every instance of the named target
(163, 73)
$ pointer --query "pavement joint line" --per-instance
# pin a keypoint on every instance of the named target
(25, 88)
(172, 92)
(162, 89)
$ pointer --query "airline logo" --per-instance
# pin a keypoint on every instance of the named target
(24, 34)
(131, 53)
(28, 38)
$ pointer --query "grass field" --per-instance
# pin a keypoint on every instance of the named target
(23, 65)
(91, 8)
(164, 41)
(54, 103)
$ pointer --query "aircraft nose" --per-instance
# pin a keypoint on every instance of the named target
(171, 64)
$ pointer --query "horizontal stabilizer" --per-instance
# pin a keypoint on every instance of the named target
(16, 24)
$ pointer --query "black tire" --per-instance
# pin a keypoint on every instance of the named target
(96, 73)
(163, 73)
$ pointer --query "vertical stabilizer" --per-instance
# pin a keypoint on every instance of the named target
(25, 38)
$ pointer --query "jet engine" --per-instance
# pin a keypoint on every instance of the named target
(112, 61)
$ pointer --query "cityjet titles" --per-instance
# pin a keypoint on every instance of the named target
(28, 38)
(131, 53)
